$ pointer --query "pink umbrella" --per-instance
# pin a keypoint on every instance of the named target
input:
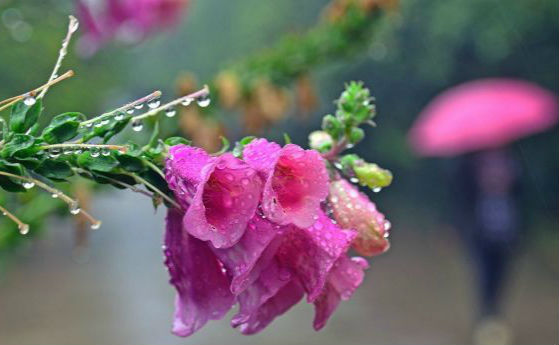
(482, 114)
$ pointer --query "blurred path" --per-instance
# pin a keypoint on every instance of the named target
(419, 293)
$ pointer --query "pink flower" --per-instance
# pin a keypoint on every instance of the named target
(126, 20)
(296, 181)
(221, 250)
(354, 210)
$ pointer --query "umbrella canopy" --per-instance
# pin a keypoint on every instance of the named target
(482, 114)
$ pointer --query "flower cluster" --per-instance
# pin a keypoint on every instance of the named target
(255, 230)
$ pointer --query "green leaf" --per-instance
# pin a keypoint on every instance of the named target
(55, 170)
(23, 116)
(7, 183)
(286, 138)
(240, 146)
(130, 163)
(21, 145)
(172, 141)
(63, 127)
(154, 135)
(100, 163)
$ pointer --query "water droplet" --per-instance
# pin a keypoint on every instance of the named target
(137, 126)
(170, 112)
(106, 152)
(139, 106)
(74, 208)
(377, 189)
(94, 152)
(29, 100)
(99, 124)
(130, 111)
(154, 103)
(78, 151)
(105, 122)
(387, 225)
(119, 116)
(23, 229)
(354, 180)
(54, 153)
(89, 124)
(67, 151)
(28, 184)
(186, 102)
(55, 195)
(203, 101)
(96, 225)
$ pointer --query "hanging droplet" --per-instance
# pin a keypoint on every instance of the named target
(23, 229)
(137, 126)
(105, 122)
(67, 151)
(99, 124)
(186, 102)
(89, 124)
(94, 152)
(203, 101)
(354, 180)
(170, 112)
(78, 151)
(387, 225)
(377, 189)
(74, 208)
(28, 184)
(106, 152)
(96, 225)
(119, 116)
(29, 100)
(54, 195)
(139, 106)
(154, 103)
(54, 153)
(130, 111)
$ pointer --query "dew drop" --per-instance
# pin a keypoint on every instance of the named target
(154, 103)
(99, 124)
(28, 184)
(94, 152)
(74, 208)
(54, 153)
(23, 229)
(186, 102)
(119, 116)
(29, 100)
(106, 152)
(387, 225)
(377, 189)
(96, 225)
(54, 195)
(89, 124)
(130, 111)
(354, 180)
(78, 151)
(105, 122)
(68, 151)
(139, 106)
(137, 126)
(170, 112)
(203, 101)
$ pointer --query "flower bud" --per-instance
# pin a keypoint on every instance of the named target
(332, 126)
(320, 141)
(372, 176)
(356, 135)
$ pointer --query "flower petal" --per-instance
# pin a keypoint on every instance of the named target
(226, 199)
(354, 210)
(296, 181)
(312, 252)
(240, 260)
(202, 286)
(344, 278)
(281, 302)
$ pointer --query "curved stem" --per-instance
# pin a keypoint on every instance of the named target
(21, 225)
(200, 93)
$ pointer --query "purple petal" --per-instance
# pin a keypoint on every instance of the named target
(312, 252)
(261, 155)
(226, 199)
(202, 286)
(240, 260)
(344, 278)
(281, 302)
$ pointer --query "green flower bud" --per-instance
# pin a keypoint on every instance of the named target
(332, 126)
(356, 135)
(320, 141)
(372, 176)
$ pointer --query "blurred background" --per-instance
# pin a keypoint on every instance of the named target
(423, 291)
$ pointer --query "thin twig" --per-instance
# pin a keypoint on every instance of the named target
(200, 93)
(154, 168)
(72, 27)
(23, 227)
(153, 188)
(120, 148)
(8, 102)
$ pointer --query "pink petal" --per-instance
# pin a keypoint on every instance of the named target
(183, 171)
(344, 278)
(312, 252)
(281, 302)
(202, 286)
(296, 181)
(225, 201)
(269, 282)
(354, 210)
(240, 260)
